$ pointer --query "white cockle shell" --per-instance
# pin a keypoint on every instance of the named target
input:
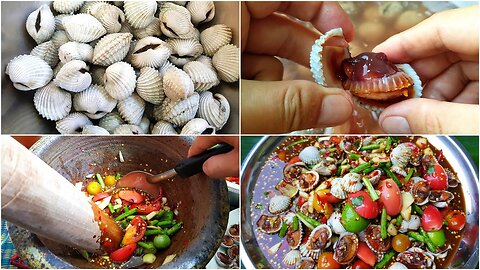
(292, 257)
(175, 21)
(214, 108)
(153, 29)
(73, 123)
(278, 204)
(177, 112)
(83, 28)
(128, 130)
(226, 61)
(215, 37)
(131, 109)
(67, 6)
(120, 80)
(150, 85)
(197, 126)
(164, 128)
(94, 102)
(310, 155)
(111, 49)
(201, 11)
(59, 38)
(202, 76)
(352, 182)
(47, 51)
(94, 130)
(184, 50)
(75, 51)
(177, 84)
(167, 65)
(150, 52)
(74, 76)
(28, 72)
(41, 24)
(110, 16)
(140, 14)
(52, 102)
(111, 121)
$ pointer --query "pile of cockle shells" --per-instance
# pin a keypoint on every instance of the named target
(98, 66)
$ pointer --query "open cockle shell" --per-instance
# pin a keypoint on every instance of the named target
(150, 52)
(47, 51)
(175, 21)
(215, 37)
(110, 16)
(120, 80)
(52, 102)
(67, 6)
(177, 84)
(153, 29)
(226, 61)
(28, 72)
(197, 126)
(73, 123)
(111, 121)
(74, 76)
(202, 76)
(184, 50)
(75, 51)
(94, 102)
(201, 11)
(111, 48)
(150, 85)
(41, 24)
(140, 14)
(131, 109)
(163, 127)
(83, 28)
(177, 112)
(214, 108)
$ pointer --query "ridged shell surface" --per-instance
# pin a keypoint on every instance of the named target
(167, 65)
(292, 257)
(310, 155)
(74, 76)
(67, 6)
(352, 182)
(28, 72)
(150, 85)
(59, 38)
(95, 102)
(313, 237)
(94, 130)
(207, 61)
(314, 254)
(111, 49)
(140, 14)
(201, 11)
(153, 29)
(52, 102)
(337, 189)
(83, 28)
(214, 108)
(110, 16)
(145, 124)
(128, 130)
(73, 123)
(164, 127)
(75, 51)
(202, 76)
(150, 52)
(215, 37)
(184, 50)
(278, 204)
(175, 21)
(177, 112)
(59, 21)
(197, 126)
(97, 73)
(47, 51)
(111, 121)
(41, 24)
(177, 84)
(131, 109)
(120, 80)
(226, 62)
(335, 223)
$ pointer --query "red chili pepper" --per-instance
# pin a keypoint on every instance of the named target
(440, 156)
(301, 201)
(17, 262)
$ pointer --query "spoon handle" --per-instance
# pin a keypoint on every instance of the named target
(193, 165)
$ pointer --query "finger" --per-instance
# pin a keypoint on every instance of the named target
(445, 31)
(261, 67)
(469, 94)
(323, 15)
(245, 24)
(430, 67)
(280, 107)
(452, 81)
(222, 165)
(202, 143)
(426, 116)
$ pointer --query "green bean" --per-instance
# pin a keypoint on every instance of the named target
(383, 224)
(126, 214)
(175, 228)
(154, 232)
(125, 208)
(110, 207)
(409, 175)
(297, 142)
(417, 209)
(386, 258)
(353, 156)
(147, 245)
(100, 180)
(124, 224)
(388, 144)
(283, 230)
(392, 175)
(370, 147)
(168, 215)
(399, 220)
(132, 217)
(371, 191)
(360, 167)
(165, 223)
(295, 223)
(153, 222)
(118, 176)
(308, 219)
(428, 241)
(369, 169)
(416, 236)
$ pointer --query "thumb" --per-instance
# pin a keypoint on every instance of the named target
(427, 116)
(285, 106)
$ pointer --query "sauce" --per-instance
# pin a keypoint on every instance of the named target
(368, 66)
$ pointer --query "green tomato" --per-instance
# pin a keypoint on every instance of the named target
(149, 258)
(351, 220)
(437, 237)
(161, 241)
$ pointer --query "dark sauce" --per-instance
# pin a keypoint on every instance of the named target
(272, 173)
(367, 66)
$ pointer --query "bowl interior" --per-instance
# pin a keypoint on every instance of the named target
(202, 203)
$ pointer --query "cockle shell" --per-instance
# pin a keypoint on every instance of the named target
(177, 112)
(214, 108)
(59, 21)
(197, 126)
(145, 124)
(75, 51)
(120, 80)
(110, 16)
(345, 248)
(215, 37)
(41, 24)
(184, 50)
(337, 189)
(52, 102)
(314, 254)
(59, 38)
(94, 130)
(207, 61)
(95, 102)
(28, 72)
(292, 257)
(335, 223)
(153, 29)
(167, 65)
(88, 6)
(201, 11)
(226, 62)
(202, 76)
(131, 109)
(48, 52)
(139, 14)
(310, 155)
(308, 181)
(57, 68)
(319, 238)
(163, 127)
(67, 6)
(175, 21)
(73, 123)
(128, 130)
(177, 84)
(83, 28)
(278, 204)
(111, 121)
(111, 49)
(352, 182)
(74, 76)
(97, 73)
(150, 85)
(306, 263)
(150, 52)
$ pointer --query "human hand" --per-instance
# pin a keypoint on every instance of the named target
(270, 105)
(443, 50)
(218, 166)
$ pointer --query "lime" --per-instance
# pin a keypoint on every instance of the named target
(351, 220)
(161, 241)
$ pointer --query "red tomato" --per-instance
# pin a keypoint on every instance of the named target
(100, 196)
(359, 264)
(367, 208)
(431, 219)
(390, 196)
(436, 177)
(456, 220)
(326, 196)
(301, 201)
(294, 159)
(135, 231)
(131, 196)
(326, 261)
(365, 254)
(123, 254)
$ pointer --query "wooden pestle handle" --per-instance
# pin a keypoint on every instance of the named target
(37, 198)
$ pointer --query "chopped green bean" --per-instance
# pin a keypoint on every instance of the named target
(125, 208)
(383, 224)
(386, 258)
(416, 236)
(369, 169)
(283, 230)
(308, 219)
(175, 228)
(399, 220)
(409, 175)
(296, 142)
(110, 207)
(154, 232)
(353, 156)
(124, 224)
(417, 209)
(167, 215)
(118, 176)
(394, 178)
(370, 147)
(100, 180)
(147, 245)
(295, 223)
(165, 223)
(388, 144)
(428, 241)
(370, 189)
(153, 222)
(126, 214)
(360, 167)
(132, 217)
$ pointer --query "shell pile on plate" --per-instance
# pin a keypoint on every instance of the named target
(98, 67)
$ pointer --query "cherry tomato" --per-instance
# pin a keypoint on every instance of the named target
(456, 220)
(436, 177)
(301, 201)
(294, 159)
(123, 254)
(363, 204)
(135, 231)
(431, 219)
(400, 242)
(109, 180)
(365, 254)
(326, 196)
(93, 188)
(326, 261)
(100, 196)
(390, 197)
(131, 196)
(323, 207)
(359, 264)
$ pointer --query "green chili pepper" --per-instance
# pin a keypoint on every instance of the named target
(360, 167)
(399, 220)
(371, 191)
(308, 219)
(118, 176)
(392, 175)
(100, 180)
(353, 156)
(154, 232)
(370, 147)
(417, 209)
(125, 208)
(84, 254)
(297, 142)
(386, 258)
(409, 175)
(283, 230)
(126, 214)
(384, 223)
(175, 228)
(295, 223)
(110, 207)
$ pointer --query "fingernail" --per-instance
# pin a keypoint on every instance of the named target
(396, 124)
(335, 109)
